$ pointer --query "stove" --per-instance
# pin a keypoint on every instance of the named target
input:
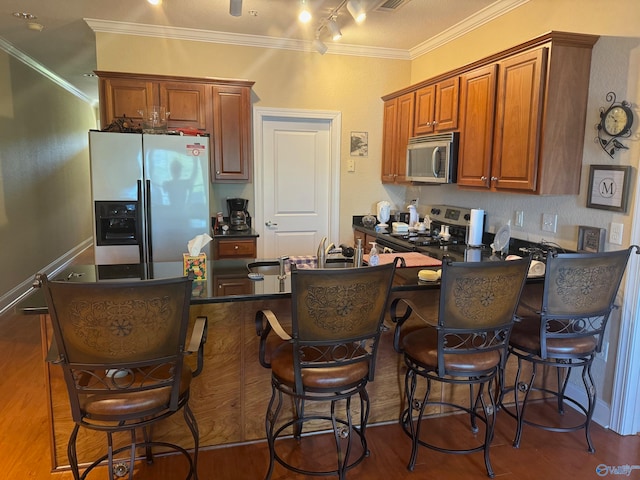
(432, 243)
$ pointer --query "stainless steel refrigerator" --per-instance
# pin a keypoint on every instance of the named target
(150, 195)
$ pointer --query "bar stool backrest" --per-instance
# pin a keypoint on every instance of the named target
(579, 293)
(116, 338)
(337, 316)
(478, 301)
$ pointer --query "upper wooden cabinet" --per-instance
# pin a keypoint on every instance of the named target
(222, 108)
(232, 127)
(477, 108)
(186, 104)
(125, 97)
(436, 107)
(397, 129)
(518, 118)
(522, 115)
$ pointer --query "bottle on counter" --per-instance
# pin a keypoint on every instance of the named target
(374, 259)
(358, 254)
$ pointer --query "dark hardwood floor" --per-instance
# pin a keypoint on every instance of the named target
(24, 441)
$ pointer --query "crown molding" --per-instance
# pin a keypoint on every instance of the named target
(179, 33)
(469, 24)
(44, 71)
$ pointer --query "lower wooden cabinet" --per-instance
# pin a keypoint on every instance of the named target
(366, 239)
(234, 248)
(224, 285)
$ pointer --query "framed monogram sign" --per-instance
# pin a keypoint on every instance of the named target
(609, 187)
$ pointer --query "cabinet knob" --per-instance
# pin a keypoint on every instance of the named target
(435, 123)
(428, 124)
(236, 247)
(217, 172)
(483, 178)
(493, 179)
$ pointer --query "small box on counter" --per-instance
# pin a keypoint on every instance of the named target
(196, 264)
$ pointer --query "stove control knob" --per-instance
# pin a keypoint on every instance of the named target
(435, 211)
(467, 216)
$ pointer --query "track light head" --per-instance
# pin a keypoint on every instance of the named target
(319, 46)
(235, 8)
(356, 10)
(334, 29)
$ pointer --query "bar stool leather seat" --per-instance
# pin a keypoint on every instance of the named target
(422, 347)
(333, 377)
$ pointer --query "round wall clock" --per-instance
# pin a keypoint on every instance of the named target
(615, 122)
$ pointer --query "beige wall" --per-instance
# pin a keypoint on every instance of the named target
(45, 198)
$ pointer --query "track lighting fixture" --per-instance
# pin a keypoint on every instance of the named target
(319, 46)
(330, 22)
(356, 10)
(334, 29)
(235, 8)
(155, 2)
(305, 14)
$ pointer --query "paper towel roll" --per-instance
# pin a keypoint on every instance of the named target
(476, 226)
(473, 255)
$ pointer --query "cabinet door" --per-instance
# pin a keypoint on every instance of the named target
(425, 109)
(477, 107)
(185, 102)
(389, 128)
(446, 105)
(232, 133)
(404, 132)
(120, 97)
(518, 121)
(231, 285)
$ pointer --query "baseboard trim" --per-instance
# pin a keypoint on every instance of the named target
(23, 289)
(602, 412)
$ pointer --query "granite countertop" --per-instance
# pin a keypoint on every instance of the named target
(271, 286)
(249, 233)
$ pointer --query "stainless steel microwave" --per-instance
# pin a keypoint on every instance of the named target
(433, 158)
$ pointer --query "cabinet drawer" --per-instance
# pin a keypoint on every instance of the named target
(238, 248)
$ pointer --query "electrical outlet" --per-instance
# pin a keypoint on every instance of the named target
(549, 222)
(351, 165)
(615, 233)
(519, 218)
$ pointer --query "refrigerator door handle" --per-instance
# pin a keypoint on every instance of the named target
(139, 227)
(148, 221)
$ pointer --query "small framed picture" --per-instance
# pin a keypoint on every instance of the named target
(591, 239)
(609, 187)
(359, 144)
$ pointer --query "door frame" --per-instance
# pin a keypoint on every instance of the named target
(260, 114)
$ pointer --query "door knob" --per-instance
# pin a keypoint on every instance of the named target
(270, 224)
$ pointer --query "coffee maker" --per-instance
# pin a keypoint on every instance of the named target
(239, 218)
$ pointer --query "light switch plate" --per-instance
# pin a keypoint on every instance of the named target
(351, 165)
(549, 222)
(615, 233)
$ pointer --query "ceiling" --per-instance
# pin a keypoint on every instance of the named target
(65, 48)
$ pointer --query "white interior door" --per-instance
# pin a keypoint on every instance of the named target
(297, 180)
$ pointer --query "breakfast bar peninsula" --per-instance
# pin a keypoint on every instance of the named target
(229, 398)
